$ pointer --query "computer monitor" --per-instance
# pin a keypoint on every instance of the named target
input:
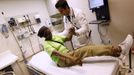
(95, 3)
(101, 9)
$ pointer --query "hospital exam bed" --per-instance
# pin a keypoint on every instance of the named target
(41, 63)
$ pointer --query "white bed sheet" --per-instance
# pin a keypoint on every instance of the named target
(43, 63)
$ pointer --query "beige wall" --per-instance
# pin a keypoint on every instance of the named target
(122, 19)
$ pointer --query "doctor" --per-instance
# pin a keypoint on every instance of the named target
(74, 18)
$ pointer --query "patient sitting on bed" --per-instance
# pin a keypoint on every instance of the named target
(54, 46)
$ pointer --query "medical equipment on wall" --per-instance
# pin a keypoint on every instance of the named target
(26, 40)
(22, 29)
(25, 22)
(21, 20)
(30, 27)
(4, 27)
(37, 18)
(56, 19)
(4, 31)
(12, 23)
(57, 26)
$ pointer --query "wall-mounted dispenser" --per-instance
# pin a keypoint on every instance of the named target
(37, 18)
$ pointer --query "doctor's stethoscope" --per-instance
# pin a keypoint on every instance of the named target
(70, 19)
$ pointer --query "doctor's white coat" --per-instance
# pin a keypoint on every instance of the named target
(80, 23)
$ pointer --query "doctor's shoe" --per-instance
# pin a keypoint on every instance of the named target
(126, 45)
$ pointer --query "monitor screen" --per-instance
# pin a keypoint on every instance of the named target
(95, 3)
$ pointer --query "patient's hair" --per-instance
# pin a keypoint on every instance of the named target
(41, 32)
(61, 4)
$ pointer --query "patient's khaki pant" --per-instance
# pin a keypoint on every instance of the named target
(86, 51)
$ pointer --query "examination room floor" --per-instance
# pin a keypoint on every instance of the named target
(132, 73)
